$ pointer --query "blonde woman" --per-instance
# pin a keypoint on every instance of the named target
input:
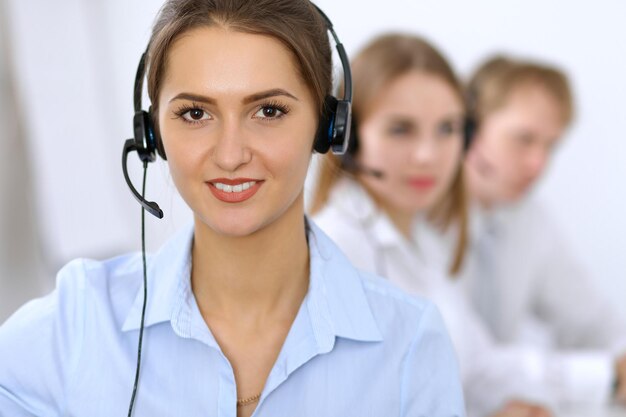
(404, 170)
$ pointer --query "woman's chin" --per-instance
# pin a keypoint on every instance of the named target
(234, 227)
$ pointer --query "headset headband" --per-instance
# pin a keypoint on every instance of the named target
(343, 57)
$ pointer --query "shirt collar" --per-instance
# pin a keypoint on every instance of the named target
(336, 300)
(336, 294)
(168, 281)
(491, 221)
(352, 199)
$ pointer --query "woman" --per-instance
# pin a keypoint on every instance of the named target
(251, 310)
(530, 288)
(404, 170)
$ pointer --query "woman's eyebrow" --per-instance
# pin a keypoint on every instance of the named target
(400, 119)
(247, 100)
(267, 94)
(455, 116)
(194, 97)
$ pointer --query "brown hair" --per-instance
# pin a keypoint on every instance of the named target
(295, 23)
(383, 60)
(493, 82)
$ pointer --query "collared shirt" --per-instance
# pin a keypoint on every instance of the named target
(357, 347)
(546, 297)
(371, 241)
(493, 370)
(531, 290)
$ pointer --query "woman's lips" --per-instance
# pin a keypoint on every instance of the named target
(234, 190)
(422, 183)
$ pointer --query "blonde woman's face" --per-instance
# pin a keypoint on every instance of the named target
(237, 124)
(513, 145)
(413, 134)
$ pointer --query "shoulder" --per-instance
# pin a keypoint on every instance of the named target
(383, 298)
(348, 207)
(531, 213)
(77, 279)
(534, 224)
(349, 234)
(346, 219)
(339, 226)
(110, 286)
(40, 344)
(81, 285)
(413, 327)
(396, 310)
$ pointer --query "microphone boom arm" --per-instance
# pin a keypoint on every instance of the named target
(152, 207)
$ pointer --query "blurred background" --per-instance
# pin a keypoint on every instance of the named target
(66, 76)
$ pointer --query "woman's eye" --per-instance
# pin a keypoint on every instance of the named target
(447, 129)
(523, 139)
(269, 112)
(399, 130)
(195, 115)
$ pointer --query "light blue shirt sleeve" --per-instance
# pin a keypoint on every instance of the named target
(430, 385)
(38, 347)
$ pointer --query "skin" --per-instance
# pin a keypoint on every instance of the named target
(412, 131)
(522, 409)
(513, 146)
(250, 260)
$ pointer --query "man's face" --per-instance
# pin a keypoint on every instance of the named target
(513, 144)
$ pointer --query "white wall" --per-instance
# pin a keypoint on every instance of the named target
(21, 275)
(75, 61)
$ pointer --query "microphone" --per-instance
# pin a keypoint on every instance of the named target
(150, 206)
(358, 168)
(350, 164)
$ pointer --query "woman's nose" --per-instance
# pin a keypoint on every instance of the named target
(231, 150)
(423, 150)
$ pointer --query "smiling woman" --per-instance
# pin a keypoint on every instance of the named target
(251, 118)
(252, 310)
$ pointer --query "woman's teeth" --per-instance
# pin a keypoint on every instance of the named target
(234, 188)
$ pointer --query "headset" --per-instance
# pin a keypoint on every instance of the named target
(471, 122)
(333, 133)
(348, 160)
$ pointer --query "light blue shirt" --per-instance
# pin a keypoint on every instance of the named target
(358, 346)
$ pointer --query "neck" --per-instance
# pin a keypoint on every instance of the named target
(255, 276)
(403, 221)
(477, 187)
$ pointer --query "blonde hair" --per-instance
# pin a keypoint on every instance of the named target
(493, 82)
(383, 60)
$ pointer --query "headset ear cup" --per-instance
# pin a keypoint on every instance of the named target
(347, 159)
(158, 143)
(144, 136)
(469, 130)
(353, 140)
(341, 128)
(323, 137)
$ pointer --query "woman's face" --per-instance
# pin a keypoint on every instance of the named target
(514, 143)
(413, 134)
(237, 124)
